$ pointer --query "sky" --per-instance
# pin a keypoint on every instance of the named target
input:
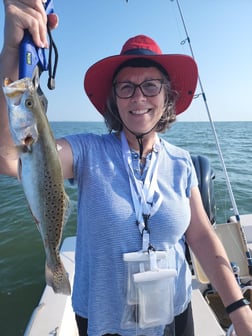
(220, 34)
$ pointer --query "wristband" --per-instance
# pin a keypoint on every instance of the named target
(237, 304)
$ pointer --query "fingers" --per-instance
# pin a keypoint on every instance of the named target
(34, 19)
(27, 14)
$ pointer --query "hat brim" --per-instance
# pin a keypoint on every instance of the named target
(181, 69)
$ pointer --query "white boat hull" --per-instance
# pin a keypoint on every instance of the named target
(54, 314)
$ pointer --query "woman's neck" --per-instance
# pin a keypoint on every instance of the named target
(148, 142)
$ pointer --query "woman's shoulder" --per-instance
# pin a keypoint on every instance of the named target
(90, 139)
(93, 145)
(175, 150)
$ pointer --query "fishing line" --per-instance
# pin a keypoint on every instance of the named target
(231, 195)
(202, 93)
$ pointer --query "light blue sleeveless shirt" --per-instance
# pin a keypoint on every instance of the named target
(107, 228)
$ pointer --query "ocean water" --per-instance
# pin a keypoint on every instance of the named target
(22, 256)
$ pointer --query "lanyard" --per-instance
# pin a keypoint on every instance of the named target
(143, 192)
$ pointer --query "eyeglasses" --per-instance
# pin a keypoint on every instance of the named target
(149, 88)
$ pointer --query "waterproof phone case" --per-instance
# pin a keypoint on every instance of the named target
(139, 262)
(155, 291)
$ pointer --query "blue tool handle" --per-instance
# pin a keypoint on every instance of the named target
(31, 56)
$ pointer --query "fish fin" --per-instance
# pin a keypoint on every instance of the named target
(57, 278)
(19, 171)
(69, 208)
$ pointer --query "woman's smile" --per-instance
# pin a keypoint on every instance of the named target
(140, 112)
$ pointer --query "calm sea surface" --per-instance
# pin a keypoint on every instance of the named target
(22, 256)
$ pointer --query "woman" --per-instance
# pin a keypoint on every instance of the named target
(135, 191)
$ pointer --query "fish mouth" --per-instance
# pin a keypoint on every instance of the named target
(28, 140)
(26, 136)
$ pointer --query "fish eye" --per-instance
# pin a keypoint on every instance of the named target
(29, 103)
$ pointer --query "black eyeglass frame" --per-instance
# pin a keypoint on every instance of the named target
(142, 88)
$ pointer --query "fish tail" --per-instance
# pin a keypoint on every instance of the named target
(57, 278)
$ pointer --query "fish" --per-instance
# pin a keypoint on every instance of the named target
(40, 172)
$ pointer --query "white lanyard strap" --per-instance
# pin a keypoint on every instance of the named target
(143, 192)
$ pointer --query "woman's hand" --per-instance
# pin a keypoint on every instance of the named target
(26, 14)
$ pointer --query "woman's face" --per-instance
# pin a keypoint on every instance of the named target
(140, 113)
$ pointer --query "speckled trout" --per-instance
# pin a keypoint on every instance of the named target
(40, 173)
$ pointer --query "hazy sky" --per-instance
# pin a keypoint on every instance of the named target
(220, 33)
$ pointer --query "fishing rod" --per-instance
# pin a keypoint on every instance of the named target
(231, 195)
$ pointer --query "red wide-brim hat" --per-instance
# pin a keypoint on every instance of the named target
(181, 69)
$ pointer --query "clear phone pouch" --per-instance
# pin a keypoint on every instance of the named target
(155, 291)
(149, 299)
(140, 262)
